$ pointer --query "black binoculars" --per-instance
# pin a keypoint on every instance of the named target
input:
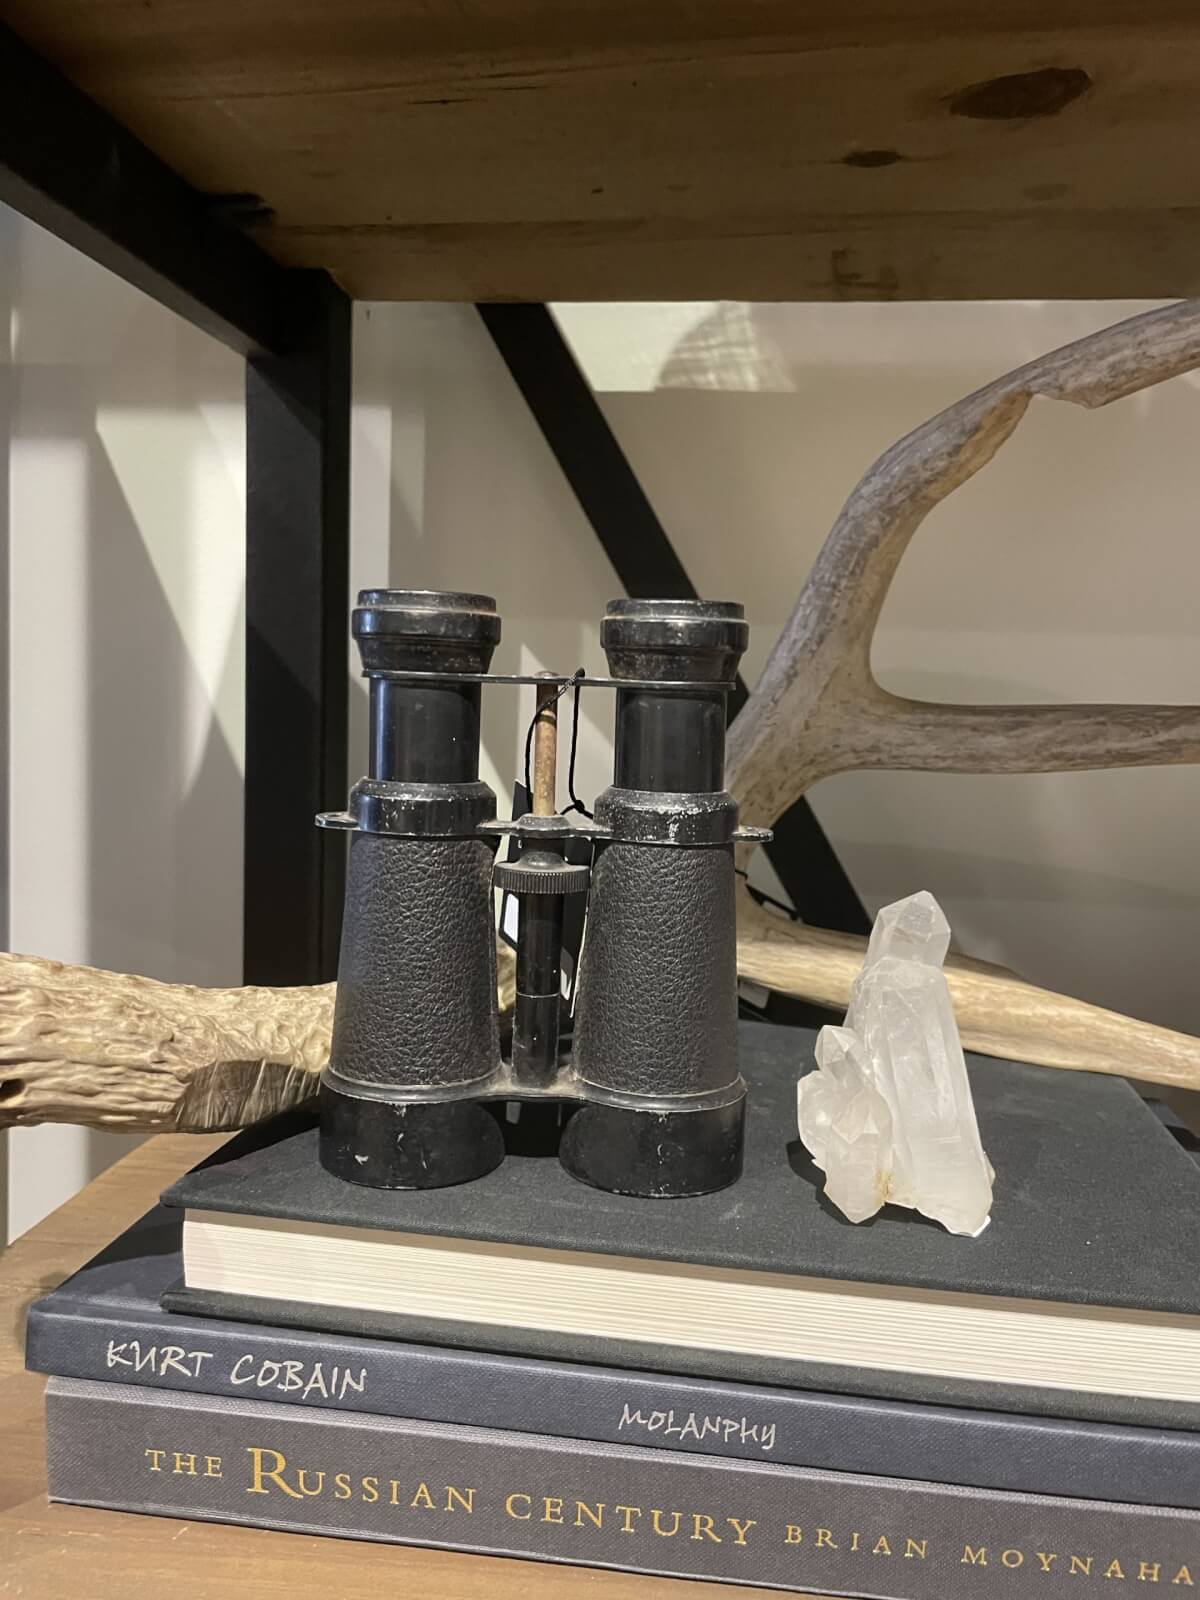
(416, 1089)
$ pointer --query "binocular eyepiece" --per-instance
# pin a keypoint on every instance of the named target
(416, 1086)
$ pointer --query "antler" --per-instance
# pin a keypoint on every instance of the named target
(818, 710)
(998, 1013)
(111, 1050)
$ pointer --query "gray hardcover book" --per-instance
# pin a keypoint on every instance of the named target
(369, 1477)
(106, 1323)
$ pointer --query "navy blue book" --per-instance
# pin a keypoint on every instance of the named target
(1082, 1297)
(105, 1323)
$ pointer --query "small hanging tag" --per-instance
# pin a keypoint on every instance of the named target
(752, 994)
(578, 853)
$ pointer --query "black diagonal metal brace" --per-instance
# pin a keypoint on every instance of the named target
(646, 564)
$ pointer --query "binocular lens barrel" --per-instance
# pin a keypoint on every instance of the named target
(415, 1032)
(656, 1021)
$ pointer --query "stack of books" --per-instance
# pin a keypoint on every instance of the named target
(742, 1387)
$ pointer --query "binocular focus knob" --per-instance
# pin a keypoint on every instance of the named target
(542, 871)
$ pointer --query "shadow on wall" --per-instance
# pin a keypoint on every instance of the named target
(155, 903)
(127, 650)
(468, 496)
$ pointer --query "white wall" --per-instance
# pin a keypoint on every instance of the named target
(125, 534)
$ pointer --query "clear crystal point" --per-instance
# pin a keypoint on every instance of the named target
(910, 930)
(888, 1116)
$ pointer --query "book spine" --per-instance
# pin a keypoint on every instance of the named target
(471, 1388)
(639, 1510)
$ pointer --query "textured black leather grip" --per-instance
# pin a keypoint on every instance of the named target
(657, 1008)
(416, 998)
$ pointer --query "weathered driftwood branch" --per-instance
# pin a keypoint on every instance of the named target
(818, 710)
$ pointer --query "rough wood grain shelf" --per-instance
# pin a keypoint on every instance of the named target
(928, 149)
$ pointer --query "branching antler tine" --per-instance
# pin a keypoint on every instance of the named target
(1117, 361)
(921, 736)
(793, 729)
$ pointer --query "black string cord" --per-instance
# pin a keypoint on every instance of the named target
(576, 803)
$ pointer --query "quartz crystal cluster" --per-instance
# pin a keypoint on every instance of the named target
(888, 1115)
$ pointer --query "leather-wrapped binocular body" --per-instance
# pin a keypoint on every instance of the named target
(416, 1089)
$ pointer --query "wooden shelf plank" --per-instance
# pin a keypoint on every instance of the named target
(527, 150)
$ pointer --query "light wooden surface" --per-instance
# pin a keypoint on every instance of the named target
(613, 149)
(48, 1552)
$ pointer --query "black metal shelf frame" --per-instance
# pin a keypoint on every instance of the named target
(68, 166)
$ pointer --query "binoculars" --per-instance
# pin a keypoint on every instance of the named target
(649, 1095)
